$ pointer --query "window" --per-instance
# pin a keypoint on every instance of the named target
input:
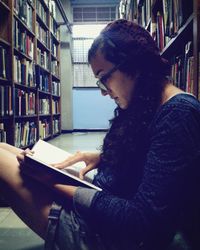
(94, 14)
(83, 36)
(83, 76)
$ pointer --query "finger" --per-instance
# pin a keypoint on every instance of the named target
(58, 165)
(78, 156)
(28, 151)
(85, 171)
(20, 158)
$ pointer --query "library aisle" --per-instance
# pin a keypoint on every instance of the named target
(47, 90)
(14, 234)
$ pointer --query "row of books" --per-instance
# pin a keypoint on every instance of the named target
(43, 58)
(44, 106)
(179, 73)
(52, 7)
(170, 19)
(31, 75)
(4, 63)
(128, 9)
(145, 14)
(56, 88)
(41, 11)
(42, 79)
(24, 72)
(183, 69)
(24, 11)
(56, 126)
(25, 133)
(175, 13)
(6, 101)
(55, 68)
(44, 129)
(55, 107)
(54, 28)
(54, 49)
(42, 34)
(2, 133)
(158, 32)
(22, 41)
(25, 103)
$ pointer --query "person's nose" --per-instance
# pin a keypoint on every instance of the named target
(104, 92)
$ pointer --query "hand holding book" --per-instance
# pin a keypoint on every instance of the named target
(49, 163)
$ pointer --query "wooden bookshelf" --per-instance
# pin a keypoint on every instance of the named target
(29, 72)
(177, 34)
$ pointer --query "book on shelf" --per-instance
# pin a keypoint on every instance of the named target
(183, 69)
(46, 154)
(24, 72)
(56, 88)
(42, 79)
(25, 133)
(176, 13)
(56, 126)
(42, 34)
(41, 11)
(44, 129)
(2, 133)
(160, 31)
(43, 58)
(24, 11)
(55, 107)
(22, 41)
(25, 102)
(4, 65)
(6, 101)
(44, 106)
(52, 8)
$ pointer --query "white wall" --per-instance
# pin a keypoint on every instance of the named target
(66, 72)
(91, 110)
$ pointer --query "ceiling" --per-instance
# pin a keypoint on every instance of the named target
(94, 2)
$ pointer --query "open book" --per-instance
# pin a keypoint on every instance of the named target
(46, 154)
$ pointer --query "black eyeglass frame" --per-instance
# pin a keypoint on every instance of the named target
(101, 83)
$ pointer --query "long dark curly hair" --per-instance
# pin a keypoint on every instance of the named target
(129, 44)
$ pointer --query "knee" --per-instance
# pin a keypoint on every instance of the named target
(3, 145)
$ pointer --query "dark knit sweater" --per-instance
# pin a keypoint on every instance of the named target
(169, 188)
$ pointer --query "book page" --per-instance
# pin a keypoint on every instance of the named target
(51, 154)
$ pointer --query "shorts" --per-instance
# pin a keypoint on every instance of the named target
(67, 231)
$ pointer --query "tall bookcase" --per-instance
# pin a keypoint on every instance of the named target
(30, 104)
(175, 25)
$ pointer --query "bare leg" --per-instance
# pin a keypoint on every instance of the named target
(10, 148)
(29, 199)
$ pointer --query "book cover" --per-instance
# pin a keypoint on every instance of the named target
(46, 154)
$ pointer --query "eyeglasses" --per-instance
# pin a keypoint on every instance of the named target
(101, 83)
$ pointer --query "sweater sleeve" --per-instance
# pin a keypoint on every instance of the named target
(152, 211)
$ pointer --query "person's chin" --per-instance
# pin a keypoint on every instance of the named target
(122, 106)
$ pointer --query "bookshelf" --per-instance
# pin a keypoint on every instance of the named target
(6, 110)
(175, 26)
(30, 103)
